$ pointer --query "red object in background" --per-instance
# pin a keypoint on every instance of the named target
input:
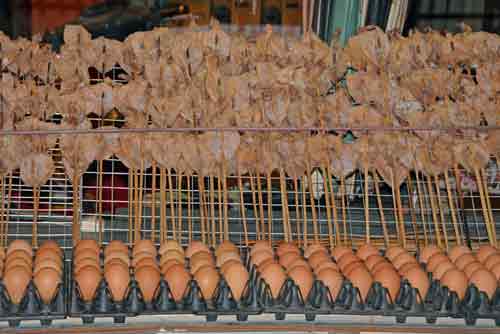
(114, 193)
(46, 15)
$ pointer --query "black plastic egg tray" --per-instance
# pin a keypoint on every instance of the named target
(256, 299)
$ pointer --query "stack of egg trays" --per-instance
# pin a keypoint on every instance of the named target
(32, 307)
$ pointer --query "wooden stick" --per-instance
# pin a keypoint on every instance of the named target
(333, 206)
(381, 210)
(395, 208)
(488, 203)
(163, 207)
(284, 203)
(412, 212)
(190, 218)
(261, 206)
(130, 203)
(484, 207)
(99, 200)
(304, 211)
(269, 207)
(204, 217)
(34, 237)
(179, 206)
(212, 208)
(401, 217)
(344, 211)
(138, 235)
(255, 210)
(153, 201)
(7, 219)
(326, 185)
(76, 218)
(366, 205)
(242, 207)
(136, 204)
(219, 204)
(172, 204)
(2, 212)
(313, 206)
(458, 182)
(422, 209)
(452, 208)
(441, 213)
(297, 210)
(433, 208)
(225, 199)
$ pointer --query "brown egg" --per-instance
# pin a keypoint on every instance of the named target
(171, 245)
(195, 247)
(351, 266)
(117, 255)
(173, 254)
(313, 248)
(227, 265)
(17, 261)
(195, 265)
(18, 254)
(332, 279)
(140, 256)
(85, 253)
(90, 261)
(86, 244)
(419, 280)
(236, 277)
(264, 263)
(146, 246)
(464, 260)
(88, 279)
(458, 251)
(50, 244)
(47, 263)
(47, 253)
(390, 280)
(2, 254)
(303, 278)
(223, 257)
(339, 251)
(288, 258)
(147, 261)
(226, 246)
(47, 281)
(491, 261)
(20, 245)
(456, 281)
(148, 279)
(261, 256)
(495, 270)
(16, 281)
(207, 279)
(366, 250)
(485, 281)
(402, 259)
(393, 252)
(275, 277)
(442, 269)
(167, 264)
(202, 255)
(472, 267)
(373, 260)
(318, 258)
(177, 278)
(299, 263)
(346, 259)
(325, 265)
(427, 252)
(116, 246)
(261, 245)
(361, 279)
(118, 278)
(287, 247)
(381, 266)
(484, 251)
(435, 260)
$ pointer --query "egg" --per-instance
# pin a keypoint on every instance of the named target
(366, 250)
(171, 245)
(464, 260)
(458, 251)
(118, 278)
(17, 262)
(346, 259)
(86, 244)
(147, 261)
(361, 279)
(16, 281)
(373, 260)
(299, 263)
(20, 245)
(195, 247)
(428, 251)
(325, 265)
(495, 270)
(207, 279)
(227, 265)
(146, 246)
(332, 279)
(288, 258)
(47, 263)
(140, 256)
(402, 259)
(226, 246)
(148, 278)
(339, 251)
(261, 256)
(472, 267)
(287, 247)
(491, 261)
(304, 279)
(313, 248)
(223, 257)
(46, 253)
(117, 255)
(236, 277)
(167, 264)
(86, 253)
(456, 281)
(18, 254)
(90, 261)
(351, 266)
(419, 280)
(442, 269)
(50, 244)
(88, 279)
(317, 258)
(380, 266)
(177, 278)
(47, 281)
(390, 280)
(173, 254)
(484, 251)
(435, 260)
(116, 246)
(275, 277)
(261, 245)
(392, 252)
(485, 281)
(265, 263)
(195, 265)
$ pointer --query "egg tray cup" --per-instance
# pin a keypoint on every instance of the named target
(410, 303)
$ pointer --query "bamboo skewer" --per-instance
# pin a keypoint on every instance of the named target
(284, 203)
(381, 210)
(34, 237)
(261, 206)
(179, 207)
(313, 206)
(484, 207)
(458, 182)
(344, 211)
(9, 196)
(395, 209)
(326, 181)
(99, 199)
(139, 204)
(366, 205)
(130, 202)
(242, 208)
(204, 217)
(225, 200)
(333, 206)
(189, 213)
(488, 203)
(422, 209)
(153, 201)
(441, 213)
(255, 211)
(269, 207)
(304, 211)
(2, 212)
(297, 209)
(433, 208)
(212, 209)
(136, 204)
(219, 204)
(401, 217)
(412, 212)
(163, 203)
(76, 218)
(172, 204)
(451, 203)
